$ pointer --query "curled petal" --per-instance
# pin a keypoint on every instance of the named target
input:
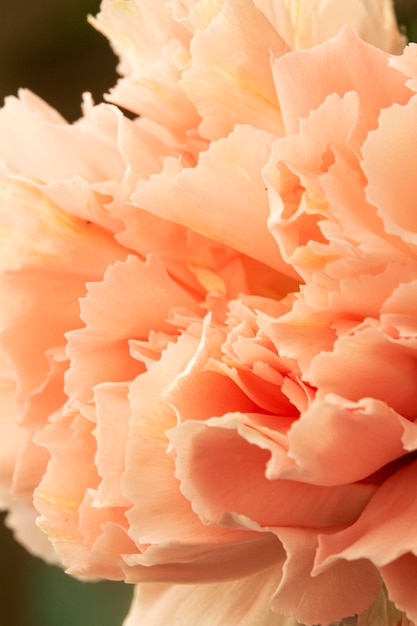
(221, 465)
(385, 530)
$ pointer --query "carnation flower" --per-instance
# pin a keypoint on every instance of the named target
(208, 324)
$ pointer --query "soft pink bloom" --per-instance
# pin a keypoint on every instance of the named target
(208, 323)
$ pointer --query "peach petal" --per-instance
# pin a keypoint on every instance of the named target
(385, 530)
(368, 431)
(141, 147)
(293, 175)
(399, 578)
(11, 435)
(191, 416)
(231, 479)
(199, 392)
(266, 395)
(367, 74)
(30, 466)
(239, 89)
(157, 95)
(113, 414)
(153, 49)
(205, 561)
(21, 520)
(49, 396)
(38, 232)
(137, 31)
(322, 313)
(400, 310)
(104, 542)
(349, 301)
(198, 263)
(196, 16)
(162, 514)
(111, 324)
(146, 233)
(343, 590)
(319, 214)
(27, 121)
(390, 172)
(344, 184)
(47, 255)
(77, 197)
(190, 196)
(104, 558)
(299, 342)
(233, 603)
(150, 350)
(306, 23)
(60, 493)
(31, 461)
(369, 364)
(51, 309)
(406, 63)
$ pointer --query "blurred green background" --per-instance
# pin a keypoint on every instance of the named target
(33, 593)
(48, 47)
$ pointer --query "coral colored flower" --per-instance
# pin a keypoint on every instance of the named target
(208, 325)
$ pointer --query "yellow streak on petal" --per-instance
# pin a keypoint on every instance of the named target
(209, 280)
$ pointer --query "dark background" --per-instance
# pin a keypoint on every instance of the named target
(48, 47)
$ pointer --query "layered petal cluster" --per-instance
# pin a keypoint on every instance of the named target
(208, 327)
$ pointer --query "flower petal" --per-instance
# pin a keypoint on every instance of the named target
(191, 197)
(244, 601)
